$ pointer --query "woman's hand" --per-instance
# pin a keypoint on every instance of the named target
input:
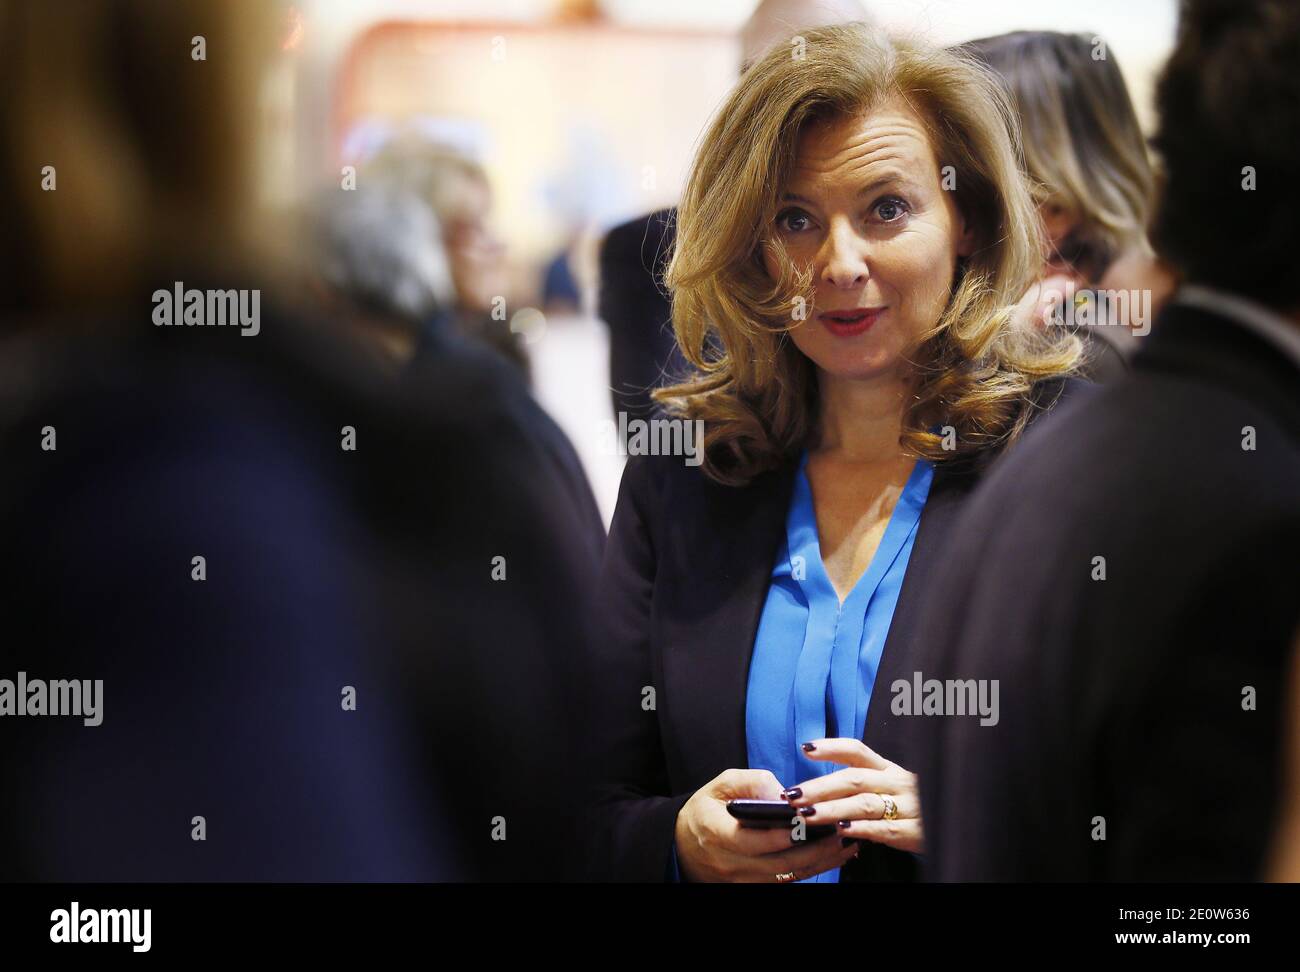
(1043, 300)
(859, 798)
(713, 846)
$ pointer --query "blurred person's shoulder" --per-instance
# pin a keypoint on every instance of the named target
(1172, 438)
(467, 382)
(1226, 362)
(1043, 406)
(1131, 507)
(1050, 399)
(472, 390)
(480, 408)
(645, 241)
(115, 389)
(124, 356)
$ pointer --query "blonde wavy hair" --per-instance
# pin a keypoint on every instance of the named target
(754, 390)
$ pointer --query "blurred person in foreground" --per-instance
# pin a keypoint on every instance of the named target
(632, 300)
(768, 588)
(1128, 579)
(1087, 158)
(320, 604)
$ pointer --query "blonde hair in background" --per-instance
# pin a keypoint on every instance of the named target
(154, 153)
(1083, 146)
(754, 390)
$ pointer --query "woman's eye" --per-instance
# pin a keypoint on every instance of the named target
(890, 210)
(793, 220)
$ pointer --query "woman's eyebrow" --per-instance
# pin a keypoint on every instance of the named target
(889, 178)
(875, 185)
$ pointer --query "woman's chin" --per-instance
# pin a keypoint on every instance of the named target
(862, 358)
(868, 368)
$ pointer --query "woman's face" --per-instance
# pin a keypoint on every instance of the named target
(476, 255)
(1058, 223)
(865, 209)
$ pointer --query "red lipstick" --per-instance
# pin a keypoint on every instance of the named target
(850, 323)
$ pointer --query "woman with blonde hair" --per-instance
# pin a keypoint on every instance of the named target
(852, 239)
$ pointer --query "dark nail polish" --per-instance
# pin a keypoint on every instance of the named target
(846, 824)
(807, 811)
(810, 747)
(794, 793)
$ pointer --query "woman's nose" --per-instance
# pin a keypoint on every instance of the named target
(845, 260)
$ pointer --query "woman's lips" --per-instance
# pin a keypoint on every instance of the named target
(849, 323)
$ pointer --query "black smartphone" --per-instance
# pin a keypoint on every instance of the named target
(770, 814)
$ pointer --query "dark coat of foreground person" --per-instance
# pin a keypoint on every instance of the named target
(325, 569)
(1141, 720)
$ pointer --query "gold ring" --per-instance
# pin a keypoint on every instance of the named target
(785, 878)
(891, 808)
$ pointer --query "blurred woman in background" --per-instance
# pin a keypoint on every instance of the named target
(457, 191)
(375, 256)
(1087, 158)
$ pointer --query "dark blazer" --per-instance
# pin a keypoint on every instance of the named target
(1103, 361)
(634, 304)
(686, 572)
(1122, 699)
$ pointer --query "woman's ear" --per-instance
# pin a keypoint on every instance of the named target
(965, 238)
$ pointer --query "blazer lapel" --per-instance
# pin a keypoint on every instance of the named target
(708, 656)
(885, 732)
